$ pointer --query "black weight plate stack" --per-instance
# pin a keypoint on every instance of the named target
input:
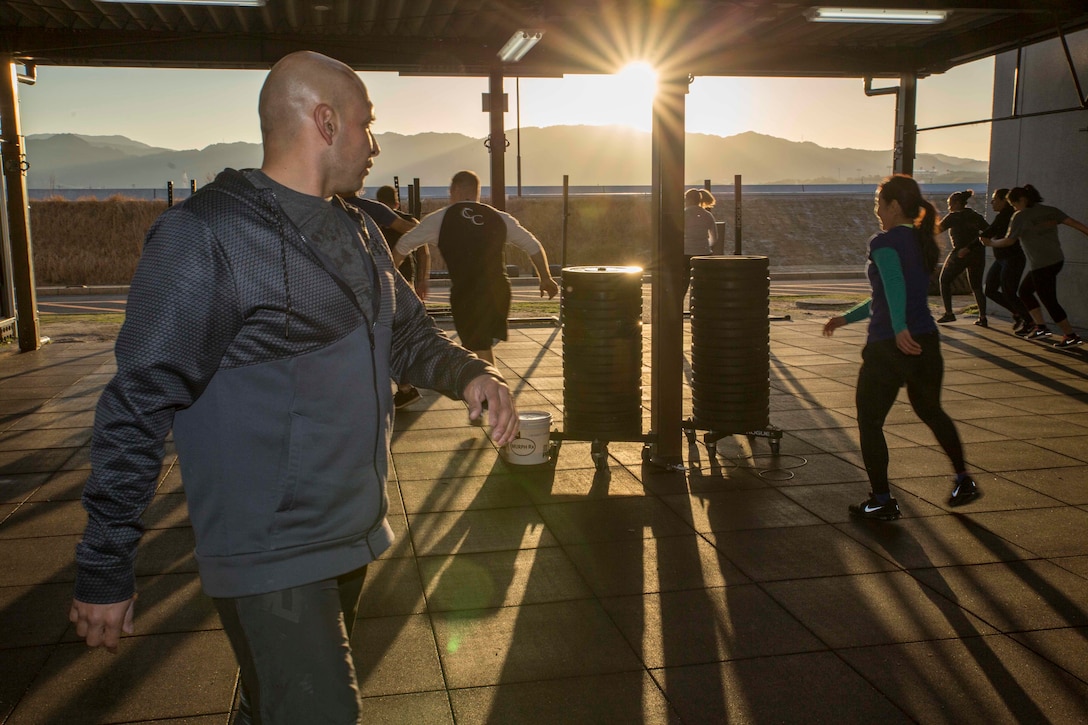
(602, 353)
(730, 343)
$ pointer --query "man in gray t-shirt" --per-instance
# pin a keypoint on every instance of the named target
(331, 232)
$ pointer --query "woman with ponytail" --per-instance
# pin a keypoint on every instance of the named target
(700, 231)
(963, 225)
(1035, 225)
(903, 346)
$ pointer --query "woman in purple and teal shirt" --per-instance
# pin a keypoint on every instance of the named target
(903, 346)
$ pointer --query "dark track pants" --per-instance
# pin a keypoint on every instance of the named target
(293, 649)
(1003, 281)
(884, 369)
(974, 263)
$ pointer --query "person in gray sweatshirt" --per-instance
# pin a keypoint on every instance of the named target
(263, 325)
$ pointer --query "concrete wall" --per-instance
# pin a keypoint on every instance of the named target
(1050, 151)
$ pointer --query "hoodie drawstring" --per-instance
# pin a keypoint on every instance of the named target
(286, 282)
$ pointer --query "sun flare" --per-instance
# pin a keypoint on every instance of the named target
(625, 97)
(637, 79)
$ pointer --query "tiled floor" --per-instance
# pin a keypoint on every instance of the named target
(737, 591)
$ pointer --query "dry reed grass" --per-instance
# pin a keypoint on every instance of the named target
(89, 241)
(604, 229)
(98, 242)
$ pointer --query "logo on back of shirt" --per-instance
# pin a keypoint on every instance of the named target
(477, 219)
(471, 239)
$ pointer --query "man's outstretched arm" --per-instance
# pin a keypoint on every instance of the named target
(547, 282)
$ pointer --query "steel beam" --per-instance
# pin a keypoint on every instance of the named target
(668, 271)
(497, 141)
(18, 213)
(906, 128)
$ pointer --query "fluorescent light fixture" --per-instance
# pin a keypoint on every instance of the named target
(245, 3)
(876, 15)
(520, 43)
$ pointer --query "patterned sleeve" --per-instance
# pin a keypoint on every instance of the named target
(181, 316)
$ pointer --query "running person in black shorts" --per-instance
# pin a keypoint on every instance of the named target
(471, 237)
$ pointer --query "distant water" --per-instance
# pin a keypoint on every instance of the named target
(440, 192)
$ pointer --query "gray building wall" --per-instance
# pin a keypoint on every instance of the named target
(1049, 152)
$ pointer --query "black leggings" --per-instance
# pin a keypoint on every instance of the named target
(1002, 281)
(685, 284)
(953, 267)
(1044, 282)
(293, 648)
(884, 369)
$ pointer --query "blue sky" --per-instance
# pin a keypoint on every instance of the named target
(183, 109)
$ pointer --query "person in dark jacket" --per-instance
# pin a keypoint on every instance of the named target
(384, 209)
(963, 226)
(1003, 277)
(263, 325)
(416, 267)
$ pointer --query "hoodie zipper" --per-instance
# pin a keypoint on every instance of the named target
(383, 508)
(370, 328)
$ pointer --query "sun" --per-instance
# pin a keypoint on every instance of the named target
(626, 97)
(637, 80)
(622, 98)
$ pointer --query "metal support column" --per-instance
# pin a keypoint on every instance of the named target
(667, 304)
(906, 128)
(18, 213)
(498, 141)
(7, 286)
(738, 216)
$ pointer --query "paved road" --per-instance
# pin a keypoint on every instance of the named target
(80, 304)
(98, 304)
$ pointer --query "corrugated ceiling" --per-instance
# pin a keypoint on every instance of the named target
(701, 37)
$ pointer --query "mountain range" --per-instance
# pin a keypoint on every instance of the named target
(589, 155)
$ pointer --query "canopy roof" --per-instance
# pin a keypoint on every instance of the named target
(462, 37)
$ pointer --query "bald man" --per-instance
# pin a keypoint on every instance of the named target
(263, 325)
